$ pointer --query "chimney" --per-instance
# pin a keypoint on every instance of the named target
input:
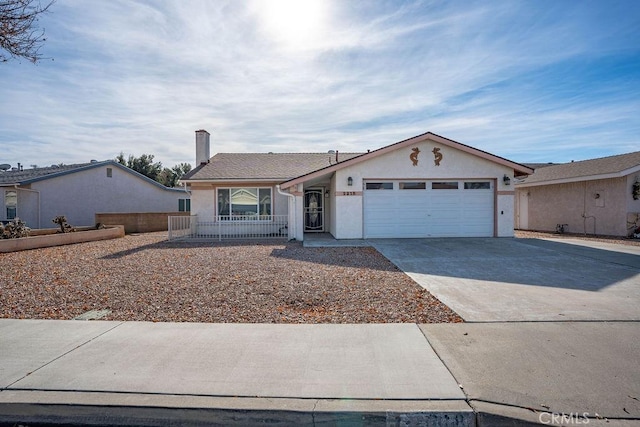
(202, 147)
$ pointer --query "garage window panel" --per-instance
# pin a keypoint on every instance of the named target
(484, 185)
(379, 186)
(451, 185)
(413, 186)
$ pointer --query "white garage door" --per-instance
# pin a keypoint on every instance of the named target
(428, 209)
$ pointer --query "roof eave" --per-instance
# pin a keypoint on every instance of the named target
(222, 180)
(573, 179)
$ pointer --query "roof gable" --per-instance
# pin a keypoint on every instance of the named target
(585, 170)
(518, 168)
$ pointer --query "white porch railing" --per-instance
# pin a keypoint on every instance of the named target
(225, 227)
(181, 227)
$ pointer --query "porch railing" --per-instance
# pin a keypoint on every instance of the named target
(181, 227)
(229, 227)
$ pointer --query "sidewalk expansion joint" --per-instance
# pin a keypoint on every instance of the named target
(61, 356)
(467, 399)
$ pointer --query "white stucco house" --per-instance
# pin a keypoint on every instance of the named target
(79, 191)
(596, 196)
(425, 186)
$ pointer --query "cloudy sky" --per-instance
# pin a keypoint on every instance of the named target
(528, 80)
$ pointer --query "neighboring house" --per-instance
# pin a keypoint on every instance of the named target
(426, 186)
(591, 196)
(78, 192)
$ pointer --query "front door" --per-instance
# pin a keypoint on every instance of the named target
(314, 210)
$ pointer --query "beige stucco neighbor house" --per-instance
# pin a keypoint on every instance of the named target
(425, 186)
(79, 191)
(598, 196)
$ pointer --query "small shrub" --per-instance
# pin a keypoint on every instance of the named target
(14, 230)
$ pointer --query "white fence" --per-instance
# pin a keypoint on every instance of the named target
(181, 227)
(225, 227)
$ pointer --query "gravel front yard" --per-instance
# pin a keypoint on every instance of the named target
(144, 277)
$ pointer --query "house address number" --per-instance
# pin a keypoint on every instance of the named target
(349, 193)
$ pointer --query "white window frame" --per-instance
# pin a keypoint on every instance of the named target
(14, 206)
(258, 216)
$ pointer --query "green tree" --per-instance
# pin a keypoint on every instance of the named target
(144, 164)
(170, 177)
(19, 33)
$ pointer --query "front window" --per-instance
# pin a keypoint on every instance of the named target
(244, 203)
(11, 203)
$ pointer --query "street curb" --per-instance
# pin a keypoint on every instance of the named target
(39, 408)
(36, 408)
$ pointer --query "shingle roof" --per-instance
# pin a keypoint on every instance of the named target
(28, 176)
(540, 165)
(585, 169)
(22, 176)
(276, 166)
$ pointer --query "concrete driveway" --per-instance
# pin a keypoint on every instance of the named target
(509, 279)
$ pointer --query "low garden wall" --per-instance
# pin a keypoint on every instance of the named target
(139, 222)
(48, 237)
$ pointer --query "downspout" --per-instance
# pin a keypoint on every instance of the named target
(193, 224)
(184, 188)
(293, 199)
(33, 191)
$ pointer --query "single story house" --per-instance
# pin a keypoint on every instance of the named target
(37, 195)
(425, 186)
(597, 196)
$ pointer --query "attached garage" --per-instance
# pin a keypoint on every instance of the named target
(429, 208)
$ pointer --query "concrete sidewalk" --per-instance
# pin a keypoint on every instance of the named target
(294, 374)
(138, 373)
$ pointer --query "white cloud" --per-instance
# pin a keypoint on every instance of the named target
(141, 76)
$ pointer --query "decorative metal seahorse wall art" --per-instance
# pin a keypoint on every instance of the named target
(414, 156)
(437, 156)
